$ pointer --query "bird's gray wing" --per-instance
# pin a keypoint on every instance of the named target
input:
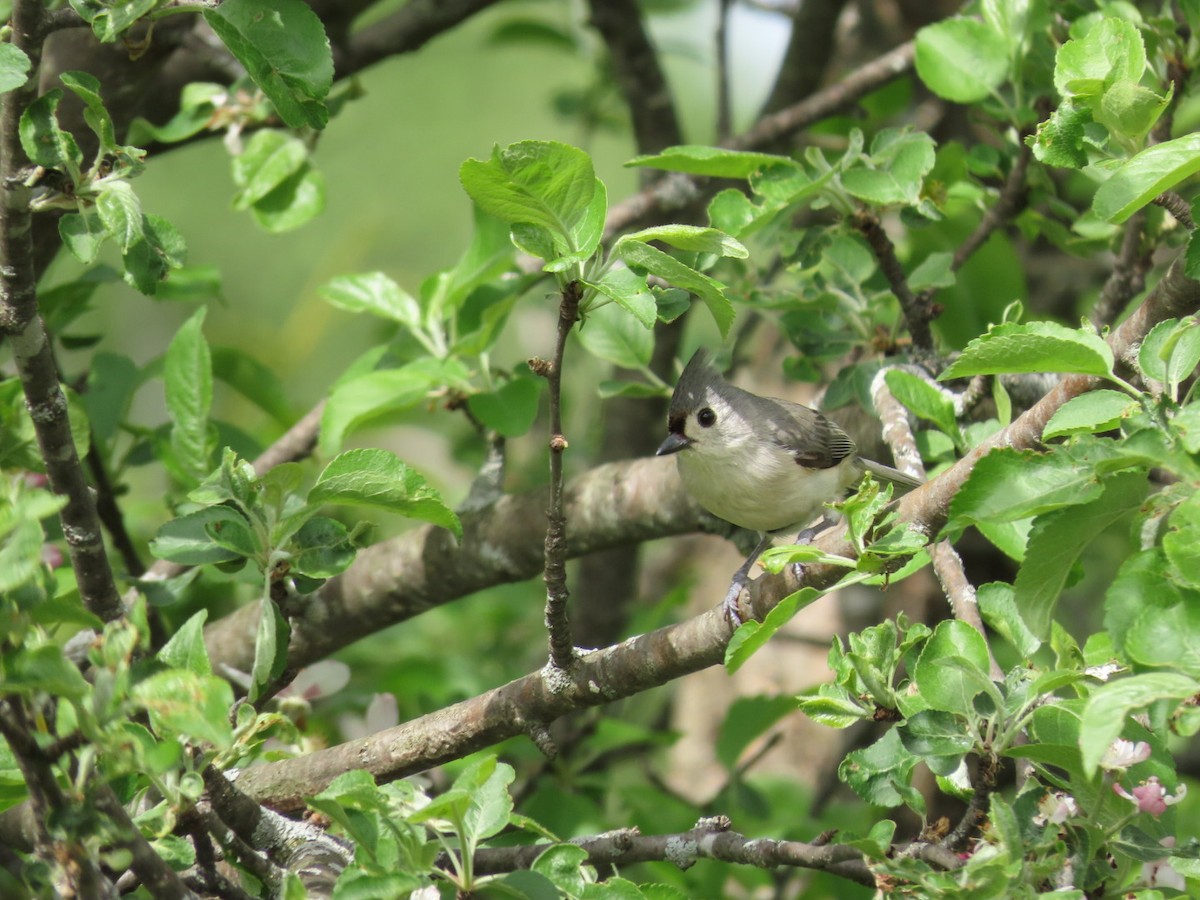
(814, 441)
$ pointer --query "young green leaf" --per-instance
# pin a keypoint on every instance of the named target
(187, 380)
(113, 20)
(1095, 411)
(256, 382)
(629, 290)
(1111, 51)
(1057, 539)
(44, 142)
(185, 648)
(925, 400)
(270, 649)
(712, 161)
(510, 409)
(375, 293)
(615, 336)
(378, 479)
(83, 233)
(87, 88)
(185, 705)
(1143, 177)
(961, 60)
(952, 688)
(269, 159)
(998, 607)
(282, 44)
(186, 540)
(294, 202)
(387, 391)
(322, 548)
(14, 67)
(689, 237)
(542, 183)
(881, 774)
(681, 275)
(151, 258)
(121, 212)
(1033, 347)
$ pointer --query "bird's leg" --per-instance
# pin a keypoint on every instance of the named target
(740, 579)
(806, 537)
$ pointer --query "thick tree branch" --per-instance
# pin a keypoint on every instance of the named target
(609, 506)
(810, 47)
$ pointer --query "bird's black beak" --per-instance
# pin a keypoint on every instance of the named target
(673, 444)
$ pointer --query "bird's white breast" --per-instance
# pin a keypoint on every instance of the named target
(760, 486)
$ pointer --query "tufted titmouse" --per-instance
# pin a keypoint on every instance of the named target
(764, 464)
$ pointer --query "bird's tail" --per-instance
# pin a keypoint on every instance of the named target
(887, 473)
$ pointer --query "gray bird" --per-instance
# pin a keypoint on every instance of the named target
(764, 464)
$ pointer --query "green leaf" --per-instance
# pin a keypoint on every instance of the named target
(934, 271)
(44, 142)
(961, 60)
(1007, 485)
(283, 46)
(745, 721)
(751, 636)
(1130, 109)
(899, 162)
(1095, 411)
(185, 649)
(148, 260)
(114, 19)
(87, 88)
(14, 67)
(881, 774)
(378, 479)
(42, 669)
(1060, 139)
(1108, 708)
(1111, 51)
(1163, 636)
(939, 738)
(121, 212)
(509, 410)
(270, 649)
(629, 290)
(321, 548)
(562, 865)
(111, 381)
(186, 540)
(952, 687)
(1143, 177)
(183, 704)
(925, 400)
(254, 381)
(269, 159)
(1181, 543)
(1057, 539)
(297, 200)
(998, 607)
(712, 161)
(358, 400)
(374, 293)
(1033, 347)
(542, 183)
(613, 335)
(832, 706)
(653, 260)
(187, 380)
(82, 233)
(690, 237)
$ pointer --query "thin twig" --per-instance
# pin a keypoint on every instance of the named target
(110, 513)
(724, 101)
(562, 651)
(1128, 276)
(1012, 200)
(918, 310)
(1177, 207)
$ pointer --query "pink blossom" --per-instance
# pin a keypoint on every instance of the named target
(1151, 797)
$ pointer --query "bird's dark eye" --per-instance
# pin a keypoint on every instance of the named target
(706, 417)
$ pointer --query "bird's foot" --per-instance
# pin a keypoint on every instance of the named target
(730, 604)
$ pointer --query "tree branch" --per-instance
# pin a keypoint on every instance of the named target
(918, 310)
(31, 348)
